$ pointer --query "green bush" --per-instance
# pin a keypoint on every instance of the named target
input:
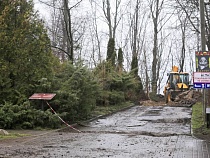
(117, 86)
(26, 117)
(116, 97)
(77, 92)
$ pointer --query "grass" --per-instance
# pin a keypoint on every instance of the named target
(12, 136)
(199, 127)
(197, 116)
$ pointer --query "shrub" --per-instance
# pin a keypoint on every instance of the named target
(26, 117)
(77, 93)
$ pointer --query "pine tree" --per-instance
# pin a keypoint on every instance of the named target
(120, 60)
(134, 65)
(134, 68)
(24, 47)
(111, 54)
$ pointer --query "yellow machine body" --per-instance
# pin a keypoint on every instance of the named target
(177, 82)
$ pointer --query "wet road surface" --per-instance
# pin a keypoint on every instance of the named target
(138, 132)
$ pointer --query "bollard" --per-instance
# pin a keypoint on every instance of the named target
(208, 117)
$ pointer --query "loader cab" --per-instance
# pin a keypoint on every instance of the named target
(177, 80)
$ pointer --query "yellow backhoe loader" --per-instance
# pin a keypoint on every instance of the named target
(177, 83)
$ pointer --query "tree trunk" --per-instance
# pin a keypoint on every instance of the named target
(155, 50)
(134, 63)
(155, 15)
(68, 31)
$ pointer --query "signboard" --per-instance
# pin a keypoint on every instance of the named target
(207, 85)
(202, 59)
(198, 85)
(201, 80)
(201, 77)
(42, 96)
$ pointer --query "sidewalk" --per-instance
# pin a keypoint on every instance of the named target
(190, 147)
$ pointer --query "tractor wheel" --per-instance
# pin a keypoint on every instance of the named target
(168, 96)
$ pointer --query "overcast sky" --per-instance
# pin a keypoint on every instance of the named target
(42, 8)
(175, 35)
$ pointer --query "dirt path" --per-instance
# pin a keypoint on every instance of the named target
(141, 131)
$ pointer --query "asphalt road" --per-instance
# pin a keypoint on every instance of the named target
(138, 132)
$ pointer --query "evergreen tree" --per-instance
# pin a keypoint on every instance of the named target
(120, 60)
(134, 68)
(111, 54)
(25, 53)
(77, 92)
(134, 65)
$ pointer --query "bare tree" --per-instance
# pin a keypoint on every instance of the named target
(183, 49)
(112, 23)
(135, 27)
(186, 12)
(55, 30)
(66, 42)
(95, 35)
(68, 34)
(163, 60)
(147, 79)
(156, 7)
(190, 9)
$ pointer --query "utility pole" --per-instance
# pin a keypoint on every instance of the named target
(202, 21)
(198, 43)
(203, 48)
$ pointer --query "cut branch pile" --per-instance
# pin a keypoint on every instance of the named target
(187, 98)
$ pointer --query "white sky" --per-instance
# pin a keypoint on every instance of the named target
(44, 11)
(42, 8)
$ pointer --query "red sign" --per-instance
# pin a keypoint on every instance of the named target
(42, 96)
(201, 53)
